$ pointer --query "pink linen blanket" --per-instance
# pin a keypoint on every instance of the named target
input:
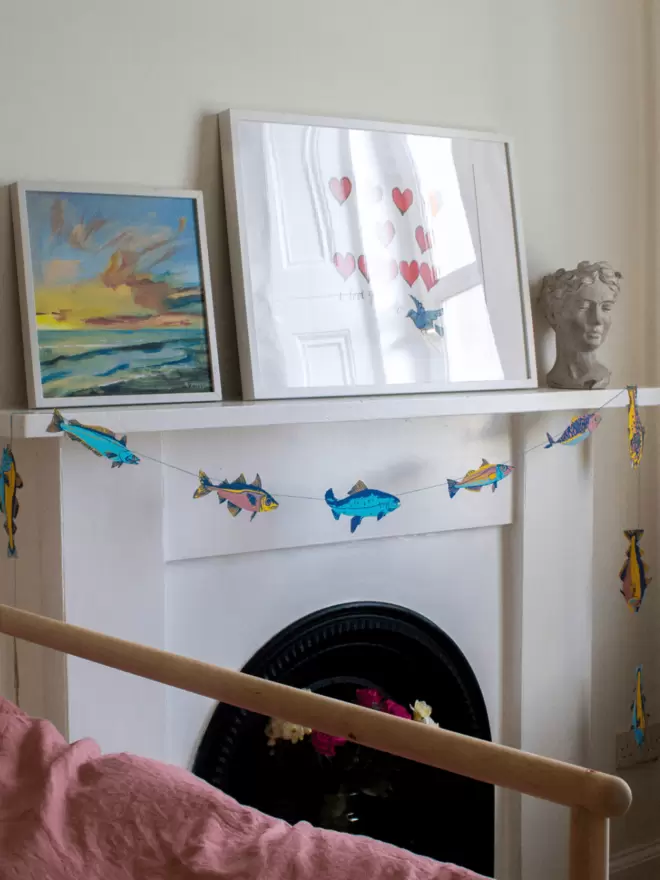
(69, 813)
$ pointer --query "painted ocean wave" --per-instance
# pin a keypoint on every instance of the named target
(80, 363)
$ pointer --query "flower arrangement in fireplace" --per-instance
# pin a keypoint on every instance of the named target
(352, 772)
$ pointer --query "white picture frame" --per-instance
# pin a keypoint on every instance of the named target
(264, 160)
(116, 264)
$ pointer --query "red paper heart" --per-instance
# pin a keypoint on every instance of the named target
(344, 264)
(423, 239)
(386, 232)
(403, 200)
(362, 266)
(341, 189)
(429, 275)
(409, 271)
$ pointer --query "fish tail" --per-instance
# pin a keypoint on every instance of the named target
(550, 442)
(204, 487)
(56, 422)
(453, 487)
(11, 551)
(330, 499)
(633, 533)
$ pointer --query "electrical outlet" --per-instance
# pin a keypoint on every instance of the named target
(629, 754)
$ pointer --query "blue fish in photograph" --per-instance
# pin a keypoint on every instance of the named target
(361, 502)
(100, 441)
(579, 429)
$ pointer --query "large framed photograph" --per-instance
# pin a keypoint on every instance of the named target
(370, 258)
(115, 295)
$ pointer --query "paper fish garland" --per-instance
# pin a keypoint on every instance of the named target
(486, 474)
(239, 495)
(638, 708)
(11, 481)
(580, 428)
(424, 319)
(100, 441)
(633, 573)
(636, 430)
(360, 503)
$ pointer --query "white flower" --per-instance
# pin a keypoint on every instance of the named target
(278, 729)
(422, 712)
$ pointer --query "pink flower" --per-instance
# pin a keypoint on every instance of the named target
(393, 708)
(370, 698)
(324, 744)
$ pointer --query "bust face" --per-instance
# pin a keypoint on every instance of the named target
(586, 317)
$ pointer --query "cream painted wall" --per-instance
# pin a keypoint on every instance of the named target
(127, 93)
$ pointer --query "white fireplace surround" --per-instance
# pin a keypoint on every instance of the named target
(509, 579)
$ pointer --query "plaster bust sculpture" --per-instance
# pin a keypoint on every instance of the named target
(578, 304)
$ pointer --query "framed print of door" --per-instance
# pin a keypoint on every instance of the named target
(369, 258)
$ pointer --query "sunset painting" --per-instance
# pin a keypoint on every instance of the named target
(118, 295)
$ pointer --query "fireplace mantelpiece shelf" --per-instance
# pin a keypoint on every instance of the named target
(239, 414)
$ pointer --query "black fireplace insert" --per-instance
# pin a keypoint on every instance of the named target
(336, 652)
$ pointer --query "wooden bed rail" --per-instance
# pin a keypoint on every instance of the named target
(593, 797)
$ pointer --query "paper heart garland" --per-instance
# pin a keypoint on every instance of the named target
(409, 271)
(344, 264)
(429, 275)
(386, 232)
(403, 200)
(340, 189)
(423, 239)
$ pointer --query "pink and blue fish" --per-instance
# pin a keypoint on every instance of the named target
(361, 502)
(579, 429)
(100, 441)
(239, 495)
(638, 724)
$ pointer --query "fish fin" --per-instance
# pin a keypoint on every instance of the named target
(15, 507)
(251, 498)
(240, 478)
(86, 445)
(257, 482)
(221, 500)
(122, 440)
(336, 514)
(494, 485)
(355, 522)
(11, 552)
(358, 487)
(56, 422)
(473, 488)
(381, 515)
(453, 487)
(550, 442)
(115, 464)
(234, 509)
(485, 463)
(633, 533)
(253, 516)
(469, 474)
(19, 481)
(225, 482)
(7, 526)
(204, 486)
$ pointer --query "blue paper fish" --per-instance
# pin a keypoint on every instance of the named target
(633, 574)
(638, 708)
(580, 428)
(361, 502)
(100, 441)
(636, 430)
(11, 481)
(486, 474)
(424, 319)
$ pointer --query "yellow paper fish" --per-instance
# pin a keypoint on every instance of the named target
(11, 481)
(636, 430)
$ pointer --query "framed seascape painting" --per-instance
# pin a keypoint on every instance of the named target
(115, 295)
(370, 258)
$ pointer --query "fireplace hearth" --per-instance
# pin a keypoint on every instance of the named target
(335, 652)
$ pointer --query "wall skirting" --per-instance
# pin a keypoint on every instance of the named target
(628, 859)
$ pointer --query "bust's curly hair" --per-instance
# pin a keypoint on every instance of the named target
(565, 282)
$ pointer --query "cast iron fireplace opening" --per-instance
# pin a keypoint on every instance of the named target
(334, 652)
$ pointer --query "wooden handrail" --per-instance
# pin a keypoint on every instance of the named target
(593, 796)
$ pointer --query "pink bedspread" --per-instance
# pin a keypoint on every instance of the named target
(69, 813)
